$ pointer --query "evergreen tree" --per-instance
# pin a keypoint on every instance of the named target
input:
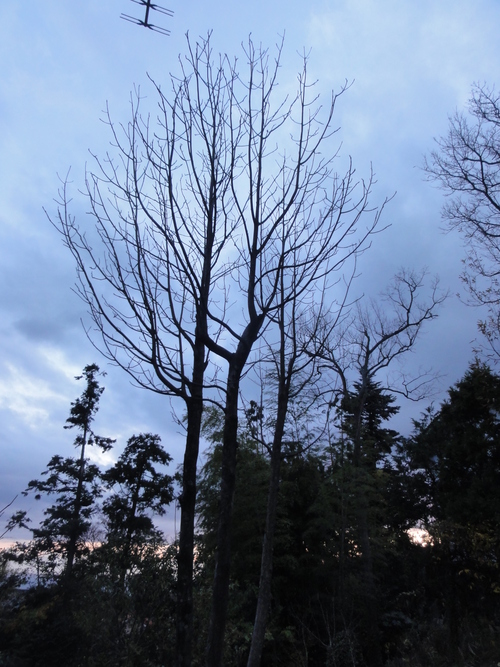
(46, 629)
(459, 449)
(141, 492)
(301, 584)
(63, 530)
(249, 512)
(127, 601)
(74, 482)
(363, 411)
(363, 445)
(454, 458)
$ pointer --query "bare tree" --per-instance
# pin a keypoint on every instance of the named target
(376, 336)
(467, 166)
(292, 380)
(385, 329)
(368, 340)
(146, 270)
(300, 224)
(203, 231)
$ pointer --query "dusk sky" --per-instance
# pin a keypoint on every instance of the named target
(410, 65)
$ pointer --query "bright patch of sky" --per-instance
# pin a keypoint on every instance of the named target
(26, 396)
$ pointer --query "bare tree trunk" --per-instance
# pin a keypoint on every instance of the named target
(266, 568)
(186, 536)
(205, 191)
(185, 556)
(372, 647)
(74, 531)
(285, 372)
(220, 592)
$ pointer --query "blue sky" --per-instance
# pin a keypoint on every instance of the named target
(410, 65)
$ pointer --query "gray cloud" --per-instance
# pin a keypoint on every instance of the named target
(413, 64)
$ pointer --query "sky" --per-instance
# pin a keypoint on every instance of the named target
(409, 65)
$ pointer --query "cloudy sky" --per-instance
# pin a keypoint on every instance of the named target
(411, 64)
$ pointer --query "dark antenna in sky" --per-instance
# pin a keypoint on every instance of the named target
(149, 5)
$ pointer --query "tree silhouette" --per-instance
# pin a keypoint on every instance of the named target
(74, 482)
(141, 492)
(204, 226)
(467, 166)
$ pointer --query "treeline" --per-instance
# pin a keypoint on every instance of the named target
(222, 250)
(93, 586)
(385, 547)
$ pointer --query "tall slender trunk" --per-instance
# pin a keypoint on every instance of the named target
(185, 555)
(220, 591)
(343, 525)
(127, 547)
(266, 567)
(372, 646)
(452, 612)
(75, 520)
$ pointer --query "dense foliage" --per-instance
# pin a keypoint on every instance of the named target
(386, 548)
(94, 584)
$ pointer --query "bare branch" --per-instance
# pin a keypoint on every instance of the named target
(466, 165)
